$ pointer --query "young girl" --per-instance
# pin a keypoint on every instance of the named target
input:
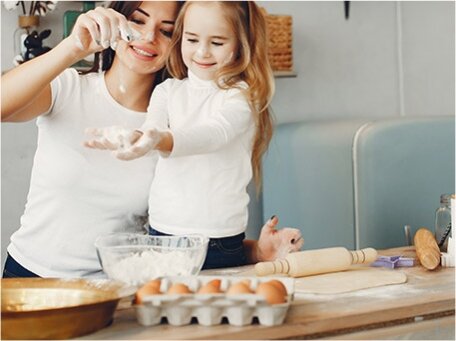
(211, 124)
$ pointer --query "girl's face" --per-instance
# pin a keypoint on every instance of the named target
(208, 42)
(154, 21)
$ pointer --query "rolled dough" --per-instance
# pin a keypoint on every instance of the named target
(350, 280)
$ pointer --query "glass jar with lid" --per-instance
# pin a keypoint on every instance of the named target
(443, 221)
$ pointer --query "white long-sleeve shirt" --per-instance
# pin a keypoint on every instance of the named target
(201, 186)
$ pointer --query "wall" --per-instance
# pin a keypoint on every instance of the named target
(351, 68)
(388, 59)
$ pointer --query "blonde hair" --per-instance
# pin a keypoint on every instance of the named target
(250, 66)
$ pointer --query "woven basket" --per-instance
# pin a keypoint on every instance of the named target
(280, 46)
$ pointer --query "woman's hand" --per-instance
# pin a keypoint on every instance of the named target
(127, 144)
(98, 29)
(276, 244)
(111, 138)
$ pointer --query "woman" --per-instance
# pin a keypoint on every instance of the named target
(76, 195)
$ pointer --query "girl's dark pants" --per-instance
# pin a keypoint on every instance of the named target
(221, 252)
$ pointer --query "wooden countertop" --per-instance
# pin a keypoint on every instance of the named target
(426, 301)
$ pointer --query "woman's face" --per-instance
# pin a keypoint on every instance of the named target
(154, 21)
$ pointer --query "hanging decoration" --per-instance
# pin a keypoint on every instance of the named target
(347, 9)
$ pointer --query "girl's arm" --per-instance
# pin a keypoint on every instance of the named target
(26, 90)
(233, 119)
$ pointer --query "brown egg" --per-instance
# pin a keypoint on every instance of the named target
(179, 288)
(211, 287)
(271, 293)
(239, 288)
(279, 285)
(150, 288)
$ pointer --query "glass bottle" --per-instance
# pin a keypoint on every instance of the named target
(27, 24)
(443, 222)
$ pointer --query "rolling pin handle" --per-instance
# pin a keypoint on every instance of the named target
(364, 256)
(280, 266)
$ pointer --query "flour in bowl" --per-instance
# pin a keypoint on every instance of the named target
(139, 268)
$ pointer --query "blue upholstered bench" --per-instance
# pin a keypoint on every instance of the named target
(356, 183)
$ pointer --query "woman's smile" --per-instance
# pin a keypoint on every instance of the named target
(143, 53)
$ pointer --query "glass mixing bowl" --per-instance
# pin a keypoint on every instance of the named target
(136, 259)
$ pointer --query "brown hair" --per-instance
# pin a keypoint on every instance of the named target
(251, 65)
(127, 8)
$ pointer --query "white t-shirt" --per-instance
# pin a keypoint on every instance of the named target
(201, 187)
(76, 193)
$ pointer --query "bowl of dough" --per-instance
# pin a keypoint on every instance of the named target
(137, 258)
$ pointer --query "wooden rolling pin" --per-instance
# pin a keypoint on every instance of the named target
(427, 250)
(312, 262)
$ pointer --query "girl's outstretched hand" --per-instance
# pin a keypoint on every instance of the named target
(98, 29)
(144, 144)
(276, 244)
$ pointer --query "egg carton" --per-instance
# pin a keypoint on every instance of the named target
(210, 309)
